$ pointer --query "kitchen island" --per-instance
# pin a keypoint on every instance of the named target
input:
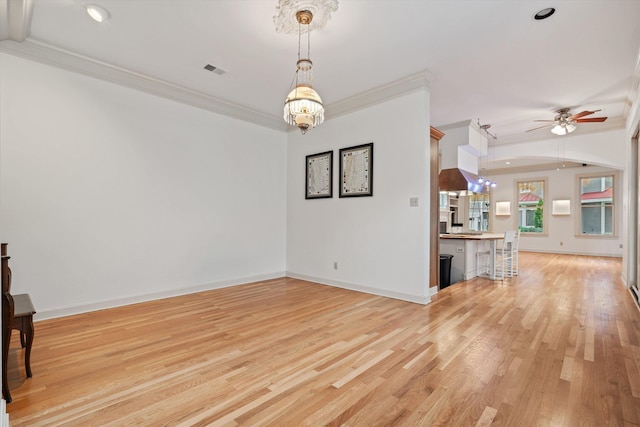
(464, 247)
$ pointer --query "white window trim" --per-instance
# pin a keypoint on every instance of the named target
(545, 206)
(614, 209)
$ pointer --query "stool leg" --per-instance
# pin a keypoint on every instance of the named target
(28, 332)
(5, 388)
(5, 355)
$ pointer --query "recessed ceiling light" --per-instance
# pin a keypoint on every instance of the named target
(507, 163)
(544, 13)
(98, 13)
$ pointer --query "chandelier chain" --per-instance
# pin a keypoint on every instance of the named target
(299, 38)
(308, 43)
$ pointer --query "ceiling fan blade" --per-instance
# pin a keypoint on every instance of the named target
(540, 127)
(591, 120)
(582, 114)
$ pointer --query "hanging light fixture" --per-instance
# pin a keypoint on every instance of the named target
(303, 107)
(486, 181)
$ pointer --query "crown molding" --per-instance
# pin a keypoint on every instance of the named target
(456, 125)
(70, 61)
(15, 26)
(540, 166)
(632, 109)
(380, 94)
(90, 67)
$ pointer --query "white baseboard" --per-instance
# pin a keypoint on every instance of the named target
(609, 255)
(101, 305)
(4, 417)
(365, 289)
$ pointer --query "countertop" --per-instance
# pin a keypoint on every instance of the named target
(483, 236)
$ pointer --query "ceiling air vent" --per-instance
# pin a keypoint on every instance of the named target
(219, 71)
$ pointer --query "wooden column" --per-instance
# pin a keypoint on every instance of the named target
(434, 209)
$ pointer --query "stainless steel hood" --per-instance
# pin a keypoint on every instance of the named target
(459, 180)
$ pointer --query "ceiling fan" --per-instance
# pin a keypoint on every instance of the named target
(565, 123)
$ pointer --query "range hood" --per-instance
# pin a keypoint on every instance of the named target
(456, 179)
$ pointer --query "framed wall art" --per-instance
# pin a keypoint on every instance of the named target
(561, 207)
(356, 171)
(319, 176)
(503, 208)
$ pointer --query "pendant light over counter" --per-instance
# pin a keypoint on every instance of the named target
(486, 181)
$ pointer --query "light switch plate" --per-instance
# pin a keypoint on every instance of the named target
(413, 202)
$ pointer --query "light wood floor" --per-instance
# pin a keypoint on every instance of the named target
(559, 345)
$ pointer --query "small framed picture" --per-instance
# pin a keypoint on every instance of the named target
(561, 207)
(503, 208)
(319, 176)
(356, 171)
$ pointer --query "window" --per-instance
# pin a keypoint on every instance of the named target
(596, 205)
(444, 200)
(531, 206)
(479, 212)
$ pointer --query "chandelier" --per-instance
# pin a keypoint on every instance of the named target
(303, 107)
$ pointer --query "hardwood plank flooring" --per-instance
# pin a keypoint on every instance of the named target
(559, 345)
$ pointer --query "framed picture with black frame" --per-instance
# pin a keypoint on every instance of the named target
(319, 176)
(356, 171)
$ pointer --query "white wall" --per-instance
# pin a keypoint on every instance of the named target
(631, 181)
(109, 195)
(600, 148)
(381, 244)
(607, 150)
(462, 145)
(561, 231)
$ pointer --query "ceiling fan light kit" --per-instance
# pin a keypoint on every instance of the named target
(565, 123)
(563, 128)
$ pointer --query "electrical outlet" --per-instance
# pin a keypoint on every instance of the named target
(413, 202)
(460, 250)
(335, 265)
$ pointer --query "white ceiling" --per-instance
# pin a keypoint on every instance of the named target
(487, 60)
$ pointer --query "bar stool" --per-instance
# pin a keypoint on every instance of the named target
(483, 262)
(514, 254)
(504, 255)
